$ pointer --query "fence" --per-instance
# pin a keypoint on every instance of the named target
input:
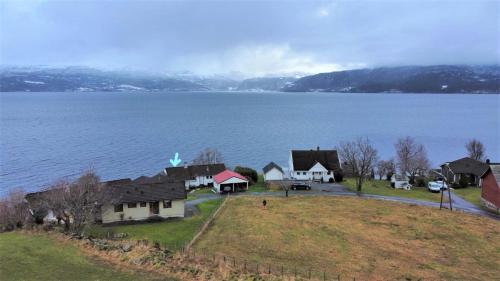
(260, 269)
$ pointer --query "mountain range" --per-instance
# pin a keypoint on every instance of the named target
(403, 79)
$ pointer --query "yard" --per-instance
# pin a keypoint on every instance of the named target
(381, 187)
(362, 238)
(172, 233)
(39, 257)
(471, 194)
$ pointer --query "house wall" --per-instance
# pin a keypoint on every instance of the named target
(141, 213)
(273, 174)
(490, 191)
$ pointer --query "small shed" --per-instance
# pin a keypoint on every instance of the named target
(400, 182)
(230, 181)
(273, 172)
(490, 192)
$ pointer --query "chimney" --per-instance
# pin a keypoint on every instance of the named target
(317, 148)
(487, 161)
(185, 165)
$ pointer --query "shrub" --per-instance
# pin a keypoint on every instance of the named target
(463, 182)
(339, 176)
(420, 182)
(247, 172)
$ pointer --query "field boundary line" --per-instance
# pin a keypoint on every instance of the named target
(207, 223)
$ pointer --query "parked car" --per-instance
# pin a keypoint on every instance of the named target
(300, 185)
(436, 186)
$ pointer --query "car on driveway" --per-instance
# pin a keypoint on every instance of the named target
(436, 186)
(300, 185)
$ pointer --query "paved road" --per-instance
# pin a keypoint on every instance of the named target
(326, 189)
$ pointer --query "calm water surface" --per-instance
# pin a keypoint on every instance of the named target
(48, 136)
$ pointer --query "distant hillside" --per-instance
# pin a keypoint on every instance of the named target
(265, 84)
(87, 79)
(406, 79)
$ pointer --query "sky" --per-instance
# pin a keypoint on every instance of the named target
(252, 38)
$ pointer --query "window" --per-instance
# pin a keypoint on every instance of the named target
(131, 205)
(118, 208)
(209, 177)
(143, 204)
(167, 203)
(304, 173)
(298, 173)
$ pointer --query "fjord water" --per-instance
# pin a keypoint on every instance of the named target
(49, 136)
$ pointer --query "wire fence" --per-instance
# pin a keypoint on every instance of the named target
(260, 269)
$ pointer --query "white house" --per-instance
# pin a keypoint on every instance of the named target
(229, 181)
(314, 165)
(195, 175)
(273, 172)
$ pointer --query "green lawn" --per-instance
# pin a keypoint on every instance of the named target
(381, 187)
(174, 233)
(471, 194)
(259, 186)
(38, 257)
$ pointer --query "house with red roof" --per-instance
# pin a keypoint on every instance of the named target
(229, 181)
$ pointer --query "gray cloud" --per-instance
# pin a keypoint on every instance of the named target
(255, 38)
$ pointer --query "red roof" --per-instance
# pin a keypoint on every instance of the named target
(227, 174)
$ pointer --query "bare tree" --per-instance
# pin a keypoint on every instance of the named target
(77, 203)
(411, 157)
(208, 156)
(14, 211)
(386, 168)
(475, 150)
(361, 156)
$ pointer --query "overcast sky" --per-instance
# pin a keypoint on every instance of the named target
(251, 37)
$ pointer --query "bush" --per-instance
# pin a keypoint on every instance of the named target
(339, 176)
(463, 182)
(247, 172)
(420, 182)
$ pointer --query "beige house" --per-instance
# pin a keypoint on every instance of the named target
(144, 199)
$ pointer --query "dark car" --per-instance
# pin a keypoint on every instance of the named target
(300, 185)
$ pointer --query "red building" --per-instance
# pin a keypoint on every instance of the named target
(490, 194)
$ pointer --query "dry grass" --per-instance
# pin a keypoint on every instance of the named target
(366, 239)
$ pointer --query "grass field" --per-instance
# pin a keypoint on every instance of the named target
(381, 187)
(363, 238)
(173, 233)
(39, 257)
(471, 194)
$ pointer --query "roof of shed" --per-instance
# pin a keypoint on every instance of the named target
(270, 166)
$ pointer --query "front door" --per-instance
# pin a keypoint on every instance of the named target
(317, 175)
(154, 208)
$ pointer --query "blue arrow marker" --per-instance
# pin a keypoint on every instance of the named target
(176, 160)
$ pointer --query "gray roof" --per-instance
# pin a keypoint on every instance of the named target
(270, 166)
(185, 173)
(147, 192)
(303, 160)
(468, 165)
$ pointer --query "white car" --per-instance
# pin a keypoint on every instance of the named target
(436, 186)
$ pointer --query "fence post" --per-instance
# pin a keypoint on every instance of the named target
(338, 277)
(234, 263)
(269, 272)
(295, 272)
(281, 271)
(257, 268)
(245, 266)
(224, 259)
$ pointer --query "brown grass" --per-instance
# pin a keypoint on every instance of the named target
(366, 239)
